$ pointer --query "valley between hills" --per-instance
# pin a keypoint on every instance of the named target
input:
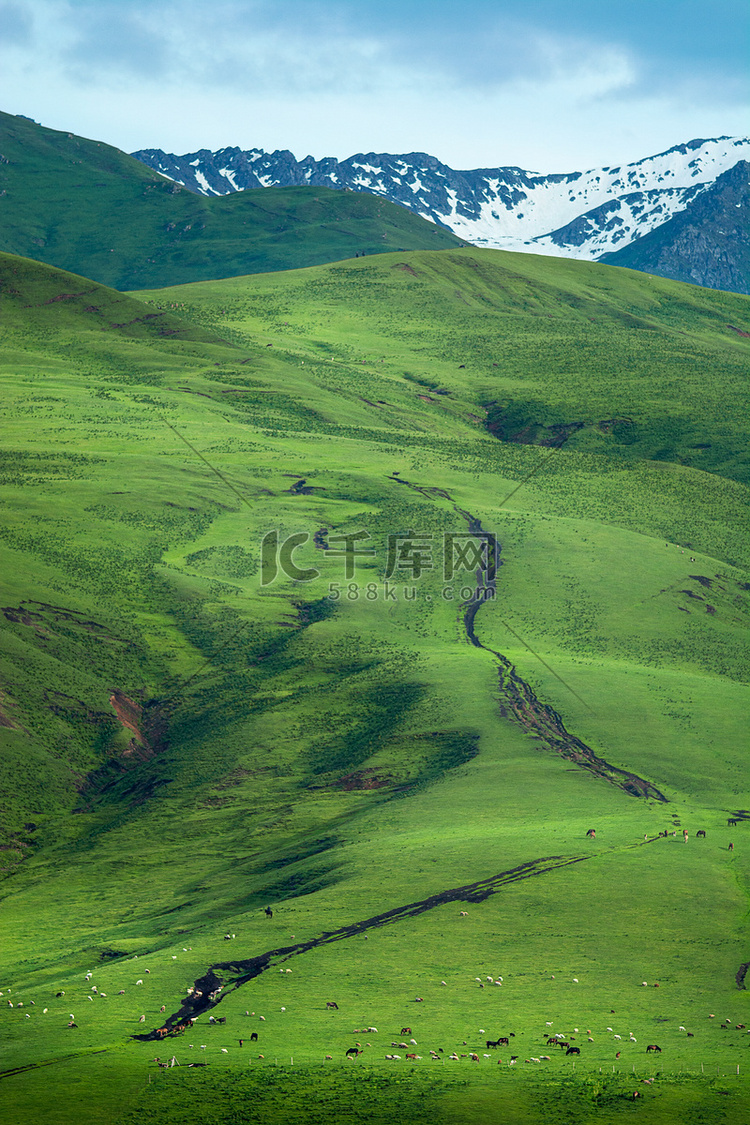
(292, 749)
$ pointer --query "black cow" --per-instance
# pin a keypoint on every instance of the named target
(700, 832)
(253, 1036)
(573, 1051)
(653, 1047)
(353, 1052)
(269, 912)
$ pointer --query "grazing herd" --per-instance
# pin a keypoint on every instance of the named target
(564, 1042)
(666, 833)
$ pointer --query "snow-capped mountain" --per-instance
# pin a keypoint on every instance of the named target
(573, 214)
(706, 244)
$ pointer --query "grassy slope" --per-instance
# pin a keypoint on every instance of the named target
(85, 206)
(136, 568)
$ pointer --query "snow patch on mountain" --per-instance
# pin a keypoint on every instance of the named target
(573, 214)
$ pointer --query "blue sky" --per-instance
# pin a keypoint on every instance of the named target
(546, 85)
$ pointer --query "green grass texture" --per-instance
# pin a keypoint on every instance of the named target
(184, 744)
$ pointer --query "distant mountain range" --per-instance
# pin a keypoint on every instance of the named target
(576, 214)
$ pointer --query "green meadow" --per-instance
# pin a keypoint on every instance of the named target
(85, 206)
(192, 731)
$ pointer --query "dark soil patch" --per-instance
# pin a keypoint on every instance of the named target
(365, 779)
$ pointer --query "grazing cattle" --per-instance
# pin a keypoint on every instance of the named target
(653, 1047)
(731, 822)
(700, 833)
(731, 847)
(253, 1036)
(353, 1052)
(406, 1031)
(419, 1000)
(592, 833)
(552, 1041)
(332, 1004)
(573, 1051)
(413, 1056)
(268, 912)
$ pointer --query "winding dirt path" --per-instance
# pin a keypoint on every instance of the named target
(520, 702)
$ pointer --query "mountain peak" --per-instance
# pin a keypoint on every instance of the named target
(579, 214)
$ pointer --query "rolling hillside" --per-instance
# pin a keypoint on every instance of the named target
(84, 206)
(255, 657)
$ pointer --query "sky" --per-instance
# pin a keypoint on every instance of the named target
(546, 85)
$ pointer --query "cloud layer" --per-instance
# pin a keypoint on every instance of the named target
(475, 84)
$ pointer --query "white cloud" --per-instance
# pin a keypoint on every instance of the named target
(182, 75)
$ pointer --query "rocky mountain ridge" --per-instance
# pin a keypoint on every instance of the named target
(575, 214)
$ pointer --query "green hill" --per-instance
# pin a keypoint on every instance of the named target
(84, 206)
(192, 731)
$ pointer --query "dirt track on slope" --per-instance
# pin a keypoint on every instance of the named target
(519, 701)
